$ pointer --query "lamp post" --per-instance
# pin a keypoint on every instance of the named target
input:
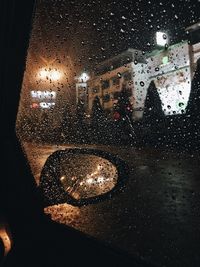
(81, 87)
(49, 73)
(162, 39)
(47, 98)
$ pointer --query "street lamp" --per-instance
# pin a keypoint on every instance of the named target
(51, 74)
(81, 87)
(162, 39)
(83, 78)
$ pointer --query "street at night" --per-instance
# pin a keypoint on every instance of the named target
(108, 120)
(101, 133)
(155, 215)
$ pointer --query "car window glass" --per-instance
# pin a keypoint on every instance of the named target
(122, 77)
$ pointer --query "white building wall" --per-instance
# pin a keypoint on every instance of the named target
(141, 84)
(171, 72)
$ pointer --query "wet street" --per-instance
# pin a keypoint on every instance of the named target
(156, 215)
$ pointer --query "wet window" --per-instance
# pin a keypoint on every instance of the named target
(105, 84)
(116, 95)
(117, 79)
(128, 92)
(127, 76)
(106, 98)
(96, 90)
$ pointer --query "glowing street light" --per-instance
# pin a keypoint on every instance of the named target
(162, 39)
(51, 74)
(84, 77)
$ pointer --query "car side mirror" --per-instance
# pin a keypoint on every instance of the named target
(81, 176)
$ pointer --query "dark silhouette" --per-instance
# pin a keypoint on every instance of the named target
(80, 124)
(193, 107)
(193, 111)
(66, 125)
(153, 106)
(124, 107)
(98, 122)
(153, 116)
(97, 112)
(80, 112)
(123, 112)
(44, 127)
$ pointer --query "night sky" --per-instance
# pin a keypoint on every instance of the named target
(91, 31)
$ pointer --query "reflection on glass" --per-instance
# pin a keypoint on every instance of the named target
(64, 213)
(85, 176)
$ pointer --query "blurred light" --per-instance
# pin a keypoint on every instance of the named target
(100, 179)
(99, 167)
(90, 181)
(62, 178)
(53, 95)
(52, 74)
(84, 77)
(116, 116)
(34, 105)
(39, 94)
(161, 38)
(165, 60)
(46, 105)
(55, 75)
(6, 240)
(43, 94)
(34, 94)
(43, 74)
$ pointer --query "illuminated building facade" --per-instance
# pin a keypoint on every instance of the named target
(116, 74)
(170, 67)
(170, 70)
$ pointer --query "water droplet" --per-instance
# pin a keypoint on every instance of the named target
(181, 104)
(164, 36)
(142, 83)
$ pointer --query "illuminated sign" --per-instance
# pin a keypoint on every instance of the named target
(43, 95)
(43, 99)
(165, 60)
(83, 78)
(46, 105)
(51, 74)
(34, 105)
(161, 39)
